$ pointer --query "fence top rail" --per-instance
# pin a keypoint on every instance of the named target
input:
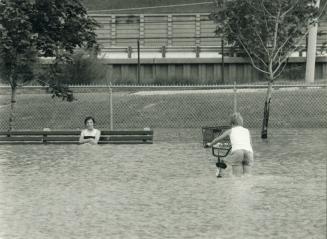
(224, 86)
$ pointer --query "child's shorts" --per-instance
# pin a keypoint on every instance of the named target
(241, 157)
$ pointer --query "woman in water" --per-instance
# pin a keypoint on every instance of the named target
(89, 135)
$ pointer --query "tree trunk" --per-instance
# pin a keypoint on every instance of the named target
(264, 131)
(12, 107)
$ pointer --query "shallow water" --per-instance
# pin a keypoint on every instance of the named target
(164, 190)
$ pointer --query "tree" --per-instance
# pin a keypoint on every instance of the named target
(31, 29)
(267, 32)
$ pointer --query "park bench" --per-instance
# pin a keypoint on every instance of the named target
(72, 137)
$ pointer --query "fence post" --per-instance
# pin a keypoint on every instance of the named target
(110, 106)
(235, 97)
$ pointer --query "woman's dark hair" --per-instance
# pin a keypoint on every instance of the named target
(89, 118)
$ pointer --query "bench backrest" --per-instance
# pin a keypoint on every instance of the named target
(72, 136)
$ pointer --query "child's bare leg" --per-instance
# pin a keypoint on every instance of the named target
(247, 169)
(236, 159)
(248, 162)
(237, 170)
(220, 172)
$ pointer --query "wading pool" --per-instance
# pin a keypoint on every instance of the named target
(165, 190)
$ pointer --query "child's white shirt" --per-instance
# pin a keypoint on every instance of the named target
(240, 139)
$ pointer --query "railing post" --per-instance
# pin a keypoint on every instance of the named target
(163, 51)
(197, 29)
(113, 31)
(197, 51)
(170, 29)
(223, 48)
(129, 51)
(141, 30)
(222, 61)
(138, 62)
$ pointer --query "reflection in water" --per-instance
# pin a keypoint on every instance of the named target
(164, 190)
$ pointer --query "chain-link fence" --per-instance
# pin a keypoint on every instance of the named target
(292, 106)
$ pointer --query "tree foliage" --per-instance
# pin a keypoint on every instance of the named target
(17, 41)
(266, 31)
(41, 28)
(32, 29)
(62, 24)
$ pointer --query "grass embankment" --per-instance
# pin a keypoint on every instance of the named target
(299, 108)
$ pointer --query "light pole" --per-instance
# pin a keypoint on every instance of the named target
(311, 51)
(223, 44)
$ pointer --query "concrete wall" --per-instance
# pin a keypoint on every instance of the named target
(202, 71)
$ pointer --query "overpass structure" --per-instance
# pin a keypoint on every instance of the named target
(190, 35)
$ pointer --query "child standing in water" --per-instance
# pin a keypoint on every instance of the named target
(90, 134)
(241, 157)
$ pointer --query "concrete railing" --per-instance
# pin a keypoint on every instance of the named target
(166, 35)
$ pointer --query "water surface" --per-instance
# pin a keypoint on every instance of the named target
(164, 190)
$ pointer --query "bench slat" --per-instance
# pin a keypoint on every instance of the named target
(125, 142)
(127, 132)
(126, 137)
(74, 142)
(102, 138)
(20, 142)
(21, 138)
(103, 142)
(61, 138)
(41, 132)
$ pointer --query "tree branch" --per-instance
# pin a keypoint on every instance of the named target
(244, 47)
(276, 31)
(280, 63)
(297, 45)
(289, 52)
(290, 9)
(265, 9)
(249, 52)
(263, 44)
(322, 10)
(281, 47)
(281, 71)
(251, 59)
(287, 40)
